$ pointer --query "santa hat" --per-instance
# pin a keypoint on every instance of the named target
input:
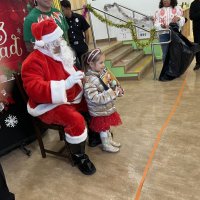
(45, 31)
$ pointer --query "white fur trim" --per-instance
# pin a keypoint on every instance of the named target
(58, 92)
(70, 70)
(47, 53)
(53, 36)
(39, 43)
(40, 109)
(76, 139)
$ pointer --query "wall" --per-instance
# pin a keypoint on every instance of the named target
(141, 5)
(148, 9)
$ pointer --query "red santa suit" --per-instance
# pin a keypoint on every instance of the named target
(55, 89)
(44, 81)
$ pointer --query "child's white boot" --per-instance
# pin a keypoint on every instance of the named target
(106, 146)
(112, 142)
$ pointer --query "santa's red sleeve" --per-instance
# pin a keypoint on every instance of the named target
(44, 82)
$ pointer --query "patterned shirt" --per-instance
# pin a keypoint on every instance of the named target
(165, 15)
(36, 15)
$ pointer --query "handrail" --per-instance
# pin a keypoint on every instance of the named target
(152, 44)
(134, 11)
(153, 50)
(105, 13)
(144, 29)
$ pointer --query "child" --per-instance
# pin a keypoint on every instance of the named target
(100, 99)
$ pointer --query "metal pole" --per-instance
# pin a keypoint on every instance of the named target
(107, 29)
(92, 28)
(133, 14)
(153, 60)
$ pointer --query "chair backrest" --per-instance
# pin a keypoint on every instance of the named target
(18, 80)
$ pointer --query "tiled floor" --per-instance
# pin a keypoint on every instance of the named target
(159, 116)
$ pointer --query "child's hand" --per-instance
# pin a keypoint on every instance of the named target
(119, 91)
(84, 80)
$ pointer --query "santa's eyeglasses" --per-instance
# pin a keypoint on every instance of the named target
(56, 43)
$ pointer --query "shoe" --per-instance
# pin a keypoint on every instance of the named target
(81, 159)
(12, 196)
(106, 146)
(94, 142)
(166, 78)
(197, 66)
(84, 164)
(112, 142)
(93, 138)
(110, 148)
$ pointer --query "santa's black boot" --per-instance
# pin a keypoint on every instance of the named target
(93, 138)
(81, 159)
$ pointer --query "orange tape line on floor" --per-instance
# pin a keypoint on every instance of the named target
(156, 143)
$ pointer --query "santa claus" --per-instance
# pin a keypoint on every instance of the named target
(55, 90)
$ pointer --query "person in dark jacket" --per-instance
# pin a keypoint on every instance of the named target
(195, 17)
(78, 32)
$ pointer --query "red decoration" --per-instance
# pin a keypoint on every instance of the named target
(162, 12)
(174, 11)
(12, 47)
(85, 11)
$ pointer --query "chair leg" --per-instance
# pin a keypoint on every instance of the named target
(39, 138)
(61, 134)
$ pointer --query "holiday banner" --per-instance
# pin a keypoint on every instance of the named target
(12, 47)
(15, 123)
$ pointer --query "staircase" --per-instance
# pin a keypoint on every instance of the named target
(126, 62)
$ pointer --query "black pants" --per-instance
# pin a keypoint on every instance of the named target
(4, 191)
(196, 34)
(80, 49)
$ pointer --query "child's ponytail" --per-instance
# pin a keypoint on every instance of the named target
(84, 58)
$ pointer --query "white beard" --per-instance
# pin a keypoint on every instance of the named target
(66, 55)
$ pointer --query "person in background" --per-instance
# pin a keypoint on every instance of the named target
(100, 100)
(195, 17)
(78, 32)
(5, 194)
(168, 12)
(41, 11)
(55, 90)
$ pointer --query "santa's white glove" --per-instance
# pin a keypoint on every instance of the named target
(73, 79)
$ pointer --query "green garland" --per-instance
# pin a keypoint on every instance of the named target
(129, 25)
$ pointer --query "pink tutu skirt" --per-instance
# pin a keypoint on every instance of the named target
(103, 123)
